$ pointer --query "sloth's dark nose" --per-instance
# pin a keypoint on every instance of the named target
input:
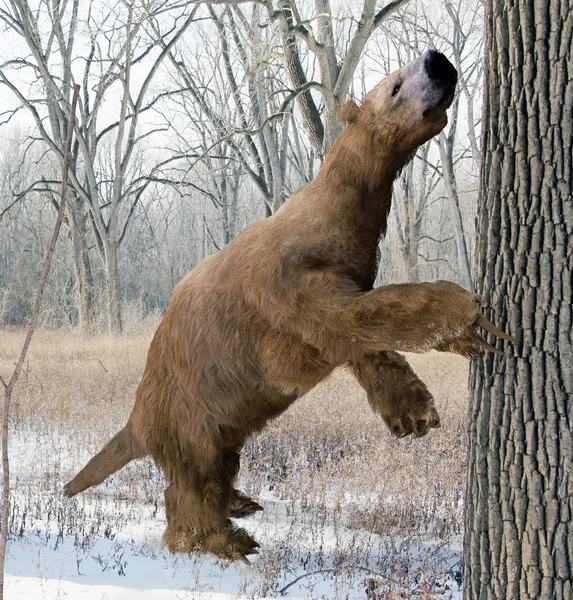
(439, 68)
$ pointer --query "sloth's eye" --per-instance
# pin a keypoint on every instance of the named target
(396, 89)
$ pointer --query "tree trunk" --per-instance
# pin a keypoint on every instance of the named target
(329, 72)
(414, 244)
(519, 505)
(409, 240)
(451, 188)
(308, 110)
(113, 288)
(82, 266)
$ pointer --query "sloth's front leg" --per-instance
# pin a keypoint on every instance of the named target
(396, 394)
(415, 317)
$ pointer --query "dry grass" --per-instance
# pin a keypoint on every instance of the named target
(327, 444)
(330, 445)
(329, 456)
(74, 381)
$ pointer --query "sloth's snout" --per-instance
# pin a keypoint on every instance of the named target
(440, 69)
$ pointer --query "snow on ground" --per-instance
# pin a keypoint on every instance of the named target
(42, 565)
(105, 544)
(321, 472)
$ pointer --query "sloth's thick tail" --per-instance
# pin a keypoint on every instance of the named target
(120, 450)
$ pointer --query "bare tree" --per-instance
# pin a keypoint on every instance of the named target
(452, 28)
(120, 62)
(465, 46)
(236, 105)
(336, 59)
(413, 198)
(249, 55)
(446, 143)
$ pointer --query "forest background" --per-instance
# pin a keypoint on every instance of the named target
(194, 120)
(198, 119)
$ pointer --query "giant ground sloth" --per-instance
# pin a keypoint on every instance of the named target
(258, 324)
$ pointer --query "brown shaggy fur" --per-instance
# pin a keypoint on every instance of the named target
(257, 325)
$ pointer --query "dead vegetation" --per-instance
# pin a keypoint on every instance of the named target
(329, 458)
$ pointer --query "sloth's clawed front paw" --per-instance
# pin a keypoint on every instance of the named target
(411, 411)
(459, 330)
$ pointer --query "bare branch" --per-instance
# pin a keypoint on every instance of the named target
(213, 241)
(8, 388)
(368, 23)
(388, 10)
(429, 237)
(338, 570)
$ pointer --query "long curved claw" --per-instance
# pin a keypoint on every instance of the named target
(487, 346)
(488, 326)
(244, 506)
(254, 506)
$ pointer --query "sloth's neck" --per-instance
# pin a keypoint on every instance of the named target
(356, 180)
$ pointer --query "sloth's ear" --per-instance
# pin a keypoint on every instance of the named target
(349, 112)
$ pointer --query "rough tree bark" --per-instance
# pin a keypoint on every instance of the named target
(519, 508)
(84, 282)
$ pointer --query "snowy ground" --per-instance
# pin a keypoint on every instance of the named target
(42, 564)
(344, 501)
(105, 544)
